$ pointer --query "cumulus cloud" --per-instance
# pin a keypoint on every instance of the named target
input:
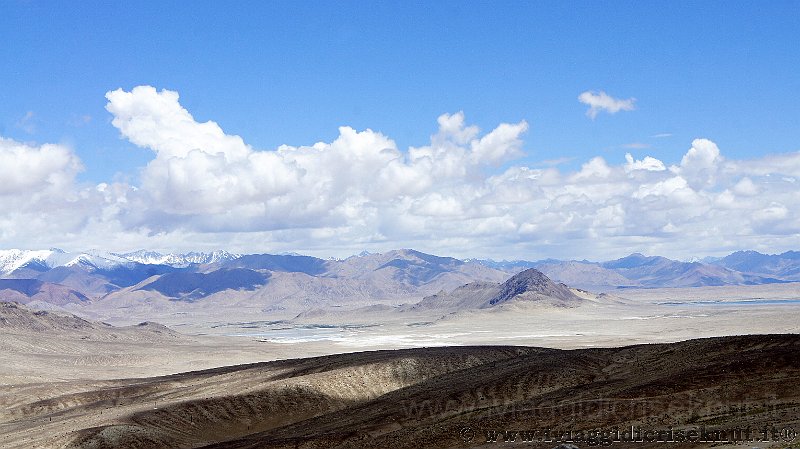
(41, 200)
(156, 120)
(648, 163)
(460, 194)
(26, 168)
(361, 190)
(599, 101)
(701, 164)
(202, 176)
(773, 164)
(746, 187)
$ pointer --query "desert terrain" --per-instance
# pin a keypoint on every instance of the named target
(520, 355)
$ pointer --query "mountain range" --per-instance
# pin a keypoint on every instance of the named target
(294, 282)
(638, 270)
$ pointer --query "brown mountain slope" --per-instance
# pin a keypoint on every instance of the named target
(27, 290)
(443, 397)
(529, 286)
(532, 285)
(215, 405)
(720, 383)
(18, 319)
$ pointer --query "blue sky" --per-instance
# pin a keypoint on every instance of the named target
(293, 72)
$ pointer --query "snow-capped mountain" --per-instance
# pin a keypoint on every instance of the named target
(39, 260)
(14, 259)
(178, 260)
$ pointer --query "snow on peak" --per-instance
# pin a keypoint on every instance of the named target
(143, 257)
(177, 260)
(14, 259)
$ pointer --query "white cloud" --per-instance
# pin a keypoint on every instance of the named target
(746, 187)
(500, 145)
(41, 200)
(703, 154)
(597, 168)
(28, 169)
(206, 179)
(205, 189)
(775, 211)
(601, 101)
(701, 164)
(156, 120)
(773, 164)
(648, 163)
(671, 187)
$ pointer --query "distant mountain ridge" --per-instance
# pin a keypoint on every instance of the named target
(782, 266)
(638, 270)
(278, 282)
(297, 282)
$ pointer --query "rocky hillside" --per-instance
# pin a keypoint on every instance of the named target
(529, 286)
(438, 398)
